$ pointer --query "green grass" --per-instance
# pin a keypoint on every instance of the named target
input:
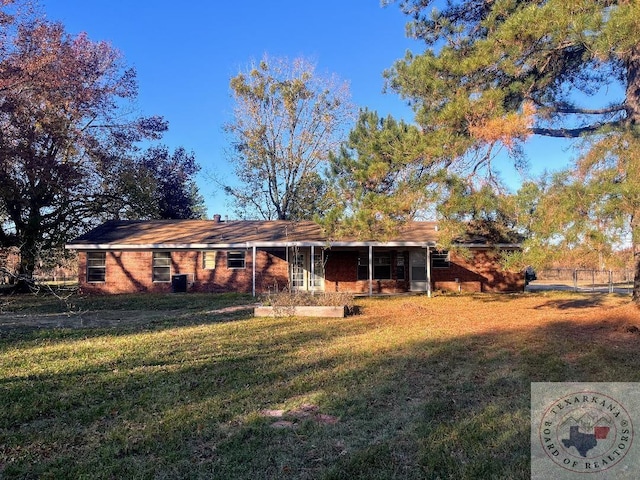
(411, 388)
(65, 302)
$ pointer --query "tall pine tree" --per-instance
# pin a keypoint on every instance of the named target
(496, 72)
(379, 177)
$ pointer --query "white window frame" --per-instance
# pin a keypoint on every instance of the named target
(100, 257)
(157, 265)
(440, 259)
(209, 259)
(234, 256)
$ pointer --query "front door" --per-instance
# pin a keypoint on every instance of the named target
(418, 270)
(301, 275)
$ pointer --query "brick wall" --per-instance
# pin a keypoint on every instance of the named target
(9, 264)
(481, 272)
(341, 274)
(131, 271)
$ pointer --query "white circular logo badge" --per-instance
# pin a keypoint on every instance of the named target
(586, 432)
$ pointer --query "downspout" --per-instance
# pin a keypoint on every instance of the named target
(428, 272)
(254, 270)
(370, 270)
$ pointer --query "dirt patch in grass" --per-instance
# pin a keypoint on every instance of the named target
(292, 418)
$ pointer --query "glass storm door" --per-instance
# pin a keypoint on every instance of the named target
(418, 270)
(316, 281)
(298, 272)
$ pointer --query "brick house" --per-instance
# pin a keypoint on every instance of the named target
(261, 256)
(9, 264)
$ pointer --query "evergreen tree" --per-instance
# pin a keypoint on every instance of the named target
(379, 177)
(496, 72)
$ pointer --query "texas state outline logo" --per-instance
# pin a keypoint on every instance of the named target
(585, 431)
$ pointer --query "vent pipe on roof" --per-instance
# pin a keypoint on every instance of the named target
(217, 218)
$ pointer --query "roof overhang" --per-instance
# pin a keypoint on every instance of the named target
(248, 245)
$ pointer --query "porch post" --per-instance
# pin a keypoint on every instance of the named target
(313, 270)
(370, 270)
(254, 270)
(428, 272)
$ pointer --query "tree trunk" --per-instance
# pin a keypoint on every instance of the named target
(634, 224)
(632, 98)
(635, 245)
(28, 258)
(636, 275)
(29, 236)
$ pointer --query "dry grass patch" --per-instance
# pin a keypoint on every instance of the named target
(410, 388)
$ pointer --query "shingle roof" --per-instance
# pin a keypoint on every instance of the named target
(209, 233)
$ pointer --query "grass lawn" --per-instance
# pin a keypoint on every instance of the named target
(166, 387)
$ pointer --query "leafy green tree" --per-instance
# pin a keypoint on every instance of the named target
(287, 119)
(177, 195)
(156, 185)
(496, 72)
(64, 129)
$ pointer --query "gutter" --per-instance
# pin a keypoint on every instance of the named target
(249, 245)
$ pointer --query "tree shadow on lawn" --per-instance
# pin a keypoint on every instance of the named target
(580, 300)
(25, 328)
(583, 301)
(457, 408)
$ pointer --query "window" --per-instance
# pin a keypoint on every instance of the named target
(209, 260)
(363, 268)
(440, 259)
(381, 267)
(400, 267)
(161, 266)
(96, 266)
(235, 259)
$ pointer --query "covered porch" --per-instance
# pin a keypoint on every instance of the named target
(364, 268)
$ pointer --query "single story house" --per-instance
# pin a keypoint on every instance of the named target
(262, 256)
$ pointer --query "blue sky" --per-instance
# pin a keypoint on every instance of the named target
(185, 53)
